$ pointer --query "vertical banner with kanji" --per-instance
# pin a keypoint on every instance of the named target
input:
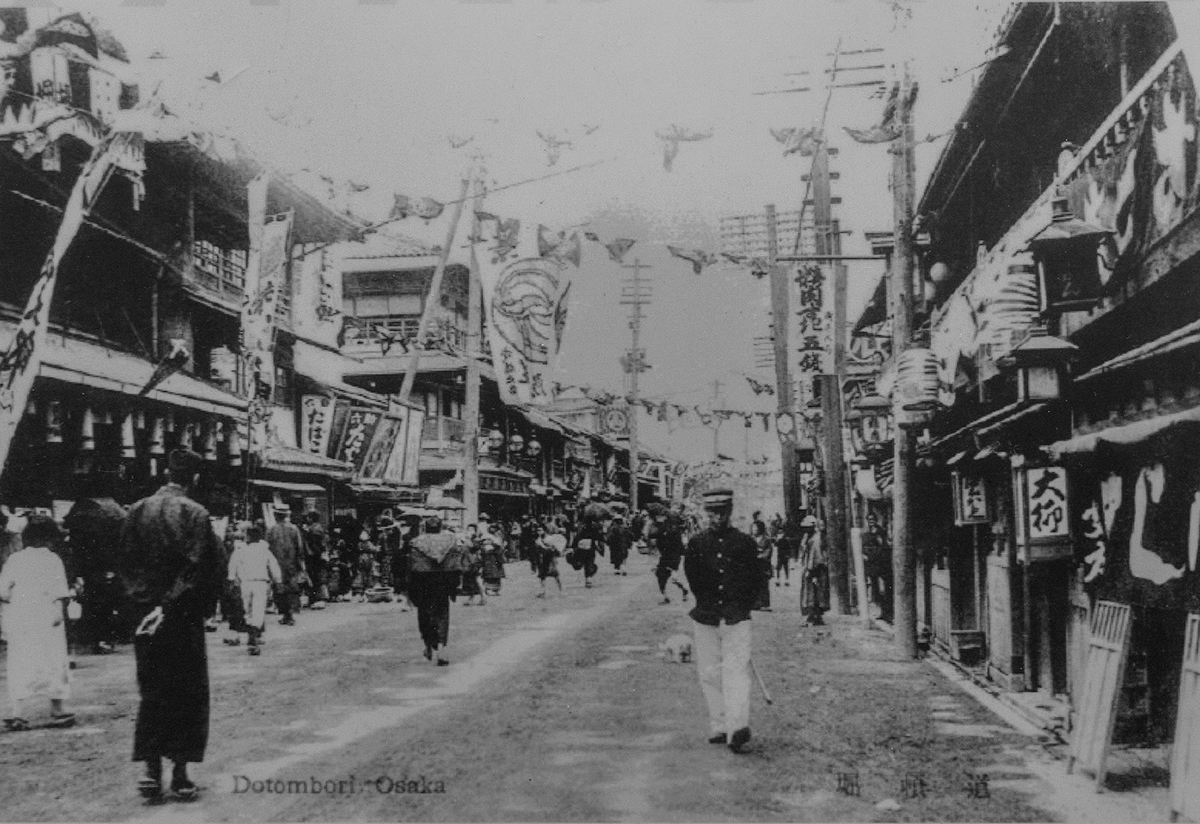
(265, 268)
(20, 363)
(358, 433)
(316, 423)
(1043, 526)
(812, 326)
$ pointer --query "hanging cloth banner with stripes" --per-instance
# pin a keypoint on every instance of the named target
(20, 363)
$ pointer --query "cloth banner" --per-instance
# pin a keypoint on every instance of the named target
(812, 323)
(1137, 519)
(525, 304)
(20, 363)
(357, 434)
(316, 313)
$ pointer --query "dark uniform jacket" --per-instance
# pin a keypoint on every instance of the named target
(722, 569)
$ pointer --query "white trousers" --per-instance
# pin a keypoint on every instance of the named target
(254, 601)
(723, 663)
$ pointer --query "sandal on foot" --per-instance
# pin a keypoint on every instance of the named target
(184, 790)
(428, 653)
(150, 788)
(442, 662)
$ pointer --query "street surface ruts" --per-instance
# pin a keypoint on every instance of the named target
(556, 709)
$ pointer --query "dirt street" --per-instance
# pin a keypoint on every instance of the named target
(555, 709)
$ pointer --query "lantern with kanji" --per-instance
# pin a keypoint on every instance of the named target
(870, 423)
(1075, 260)
(916, 395)
(1040, 362)
(1040, 496)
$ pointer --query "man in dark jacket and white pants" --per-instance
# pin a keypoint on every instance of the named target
(721, 565)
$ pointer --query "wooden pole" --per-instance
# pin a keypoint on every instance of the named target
(831, 396)
(781, 319)
(904, 561)
(474, 347)
(431, 300)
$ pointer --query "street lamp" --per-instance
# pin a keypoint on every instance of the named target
(870, 423)
(1075, 259)
(1040, 361)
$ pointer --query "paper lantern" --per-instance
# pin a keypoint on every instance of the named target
(87, 431)
(128, 448)
(157, 437)
(940, 274)
(235, 445)
(209, 452)
(54, 422)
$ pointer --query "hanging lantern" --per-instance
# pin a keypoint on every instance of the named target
(106, 417)
(170, 423)
(139, 419)
(210, 442)
(516, 443)
(157, 436)
(871, 423)
(128, 448)
(916, 394)
(533, 449)
(54, 422)
(235, 445)
(31, 407)
(1040, 361)
(1075, 259)
(87, 431)
(939, 274)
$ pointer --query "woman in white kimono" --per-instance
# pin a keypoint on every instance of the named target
(33, 587)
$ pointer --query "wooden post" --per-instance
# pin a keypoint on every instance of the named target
(435, 291)
(781, 318)
(904, 562)
(474, 347)
(831, 395)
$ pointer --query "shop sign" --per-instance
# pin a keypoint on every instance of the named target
(316, 423)
(388, 430)
(403, 462)
(360, 430)
(1042, 505)
(970, 500)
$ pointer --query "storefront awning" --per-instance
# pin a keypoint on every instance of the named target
(282, 458)
(90, 364)
(287, 486)
(1129, 433)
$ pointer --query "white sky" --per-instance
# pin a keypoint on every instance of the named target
(370, 92)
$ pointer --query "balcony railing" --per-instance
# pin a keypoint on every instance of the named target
(442, 335)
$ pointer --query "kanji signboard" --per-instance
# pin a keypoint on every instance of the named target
(813, 324)
(970, 500)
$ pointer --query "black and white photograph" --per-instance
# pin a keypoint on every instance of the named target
(599, 410)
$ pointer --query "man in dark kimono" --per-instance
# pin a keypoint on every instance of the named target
(724, 572)
(171, 564)
(619, 541)
(287, 545)
(669, 537)
(430, 586)
(316, 545)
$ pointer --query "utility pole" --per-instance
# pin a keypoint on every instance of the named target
(781, 321)
(904, 566)
(474, 346)
(634, 294)
(831, 394)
